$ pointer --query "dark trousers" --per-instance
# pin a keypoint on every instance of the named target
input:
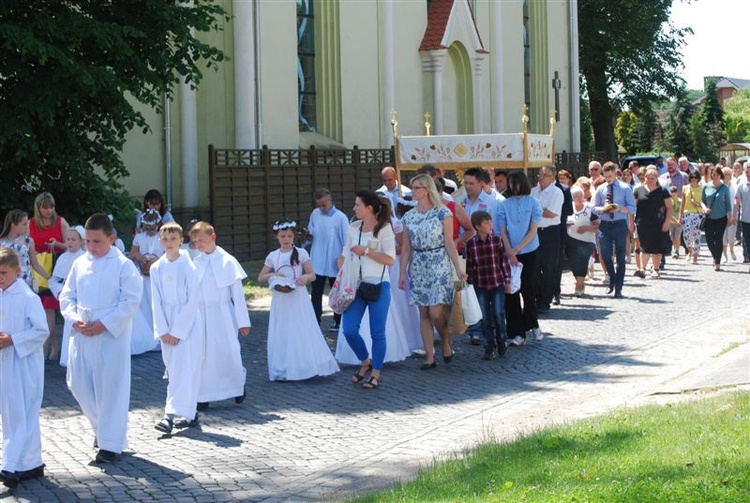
(548, 259)
(316, 297)
(561, 256)
(715, 237)
(612, 237)
(520, 319)
(745, 226)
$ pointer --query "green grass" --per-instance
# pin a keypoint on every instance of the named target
(253, 289)
(690, 452)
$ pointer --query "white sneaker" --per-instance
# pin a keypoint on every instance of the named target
(537, 333)
(606, 280)
(517, 341)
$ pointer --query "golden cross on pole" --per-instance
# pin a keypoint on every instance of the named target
(427, 117)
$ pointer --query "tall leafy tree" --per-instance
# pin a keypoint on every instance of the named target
(625, 129)
(703, 146)
(645, 129)
(737, 117)
(713, 114)
(70, 74)
(677, 132)
(629, 54)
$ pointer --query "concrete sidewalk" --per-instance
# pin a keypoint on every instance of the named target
(324, 439)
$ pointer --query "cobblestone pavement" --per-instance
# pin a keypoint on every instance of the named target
(324, 439)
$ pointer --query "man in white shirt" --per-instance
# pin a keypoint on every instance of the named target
(390, 186)
(328, 227)
(551, 199)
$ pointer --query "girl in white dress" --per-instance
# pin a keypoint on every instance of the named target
(297, 349)
(74, 239)
(145, 251)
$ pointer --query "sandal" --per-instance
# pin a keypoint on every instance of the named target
(184, 423)
(164, 425)
(372, 383)
(358, 377)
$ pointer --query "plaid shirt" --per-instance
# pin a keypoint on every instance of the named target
(486, 264)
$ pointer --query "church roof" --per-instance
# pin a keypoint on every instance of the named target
(438, 17)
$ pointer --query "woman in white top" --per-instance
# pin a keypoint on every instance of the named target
(372, 244)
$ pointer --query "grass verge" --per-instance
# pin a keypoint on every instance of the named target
(689, 452)
(253, 289)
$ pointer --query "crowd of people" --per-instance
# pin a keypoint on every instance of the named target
(407, 252)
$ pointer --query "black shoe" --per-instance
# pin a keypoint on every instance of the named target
(105, 456)
(502, 347)
(489, 354)
(428, 366)
(9, 479)
(164, 425)
(241, 398)
(618, 295)
(447, 359)
(201, 406)
(611, 288)
(543, 308)
(184, 423)
(34, 473)
(556, 299)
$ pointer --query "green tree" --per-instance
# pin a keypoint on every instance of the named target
(70, 73)
(587, 134)
(703, 145)
(677, 136)
(629, 54)
(645, 129)
(737, 117)
(625, 130)
(713, 114)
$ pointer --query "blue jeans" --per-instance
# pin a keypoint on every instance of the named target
(492, 303)
(612, 236)
(352, 318)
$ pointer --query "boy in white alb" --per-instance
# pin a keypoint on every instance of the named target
(100, 297)
(23, 330)
(221, 301)
(177, 324)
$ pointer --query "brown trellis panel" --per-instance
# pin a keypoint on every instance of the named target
(250, 189)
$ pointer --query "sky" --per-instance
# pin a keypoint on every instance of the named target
(720, 40)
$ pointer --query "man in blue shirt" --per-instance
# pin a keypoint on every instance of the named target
(614, 202)
(328, 227)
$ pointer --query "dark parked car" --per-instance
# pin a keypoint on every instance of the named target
(643, 160)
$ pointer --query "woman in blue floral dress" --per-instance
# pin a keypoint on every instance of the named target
(428, 251)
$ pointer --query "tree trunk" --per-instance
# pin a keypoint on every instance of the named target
(602, 116)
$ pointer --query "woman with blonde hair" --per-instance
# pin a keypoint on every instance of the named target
(48, 229)
(427, 253)
(653, 205)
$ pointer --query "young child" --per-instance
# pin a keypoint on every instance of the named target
(145, 251)
(23, 330)
(15, 235)
(489, 271)
(222, 306)
(153, 200)
(74, 243)
(177, 324)
(100, 297)
(296, 347)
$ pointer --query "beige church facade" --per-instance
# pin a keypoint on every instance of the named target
(330, 72)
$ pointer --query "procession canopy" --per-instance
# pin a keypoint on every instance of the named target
(459, 152)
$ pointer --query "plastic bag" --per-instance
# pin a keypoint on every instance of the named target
(344, 289)
(470, 305)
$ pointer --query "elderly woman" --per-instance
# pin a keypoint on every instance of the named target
(581, 240)
(518, 219)
(48, 229)
(716, 200)
(427, 252)
(653, 205)
(371, 241)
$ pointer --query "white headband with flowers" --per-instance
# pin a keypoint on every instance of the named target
(280, 225)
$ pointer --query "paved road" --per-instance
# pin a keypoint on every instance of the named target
(324, 439)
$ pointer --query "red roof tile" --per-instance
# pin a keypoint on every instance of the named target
(437, 19)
